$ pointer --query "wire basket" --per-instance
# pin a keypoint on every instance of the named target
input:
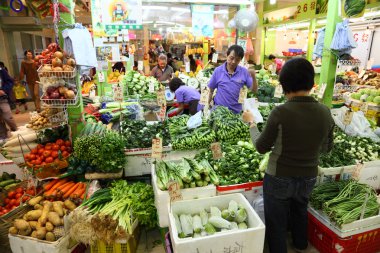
(59, 118)
(62, 74)
(60, 103)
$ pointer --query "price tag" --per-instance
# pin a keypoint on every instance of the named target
(357, 171)
(364, 107)
(312, 90)
(215, 58)
(101, 78)
(117, 93)
(365, 77)
(278, 91)
(157, 148)
(362, 73)
(204, 96)
(187, 67)
(243, 95)
(151, 87)
(216, 150)
(161, 100)
(348, 117)
(370, 63)
(140, 65)
(162, 114)
(322, 90)
(174, 191)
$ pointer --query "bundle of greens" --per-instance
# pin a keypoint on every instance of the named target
(184, 138)
(349, 150)
(105, 152)
(241, 163)
(228, 126)
(136, 84)
(233, 217)
(344, 202)
(138, 134)
(188, 173)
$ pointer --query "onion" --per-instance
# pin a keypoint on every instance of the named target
(50, 90)
(54, 95)
(58, 54)
(56, 62)
(71, 62)
(70, 94)
(53, 47)
(62, 90)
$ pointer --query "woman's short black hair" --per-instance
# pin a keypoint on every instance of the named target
(297, 75)
(271, 57)
(28, 51)
(175, 83)
(239, 51)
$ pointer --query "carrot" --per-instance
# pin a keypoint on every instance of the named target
(78, 192)
(64, 188)
(83, 195)
(52, 190)
(50, 193)
(61, 182)
(50, 184)
(71, 190)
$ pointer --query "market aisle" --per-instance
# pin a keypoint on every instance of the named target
(23, 117)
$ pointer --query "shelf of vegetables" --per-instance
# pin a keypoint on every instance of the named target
(197, 180)
(221, 231)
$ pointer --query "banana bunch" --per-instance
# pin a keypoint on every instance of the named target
(194, 51)
(88, 86)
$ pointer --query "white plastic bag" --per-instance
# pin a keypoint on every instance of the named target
(251, 104)
(258, 206)
(195, 120)
(359, 125)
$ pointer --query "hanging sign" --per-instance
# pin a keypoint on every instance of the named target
(204, 96)
(216, 150)
(151, 86)
(117, 93)
(101, 78)
(157, 148)
(203, 20)
(162, 113)
(174, 190)
(214, 58)
(322, 90)
(242, 43)
(306, 9)
(243, 94)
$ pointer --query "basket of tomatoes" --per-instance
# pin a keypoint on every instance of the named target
(48, 160)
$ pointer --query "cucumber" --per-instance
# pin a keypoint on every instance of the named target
(10, 186)
(7, 182)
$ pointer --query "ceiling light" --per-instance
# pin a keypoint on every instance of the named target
(160, 29)
(180, 9)
(153, 7)
(272, 2)
(221, 12)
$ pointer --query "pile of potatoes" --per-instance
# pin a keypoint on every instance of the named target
(45, 222)
(41, 120)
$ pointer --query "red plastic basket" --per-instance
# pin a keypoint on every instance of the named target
(326, 241)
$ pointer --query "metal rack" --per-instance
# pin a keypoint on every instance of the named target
(60, 103)
(61, 74)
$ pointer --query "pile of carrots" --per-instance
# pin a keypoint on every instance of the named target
(64, 189)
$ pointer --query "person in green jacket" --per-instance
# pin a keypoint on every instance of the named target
(296, 133)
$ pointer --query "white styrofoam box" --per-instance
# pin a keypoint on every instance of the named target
(139, 161)
(251, 190)
(162, 198)
(247, 240)
(346, 230)
(26, 244)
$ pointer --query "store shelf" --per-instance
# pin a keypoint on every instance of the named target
(62, 74)
(60, 103)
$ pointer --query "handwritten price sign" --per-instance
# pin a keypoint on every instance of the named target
(161, 100)
(157, 148)
(174, 191)
(216, 150)
(243, 94)
(204, 96)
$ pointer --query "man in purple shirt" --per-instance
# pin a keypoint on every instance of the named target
(228, 79)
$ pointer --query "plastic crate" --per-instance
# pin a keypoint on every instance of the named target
(326, 241)
(251, 190)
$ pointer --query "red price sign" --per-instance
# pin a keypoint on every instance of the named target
(162, 114)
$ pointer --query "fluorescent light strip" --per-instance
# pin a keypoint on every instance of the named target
(221, 12)
(180, 9)
(153, 7)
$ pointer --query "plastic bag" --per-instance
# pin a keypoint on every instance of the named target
(195, 120)
(359, 125)
(258, 206)
(252, 105)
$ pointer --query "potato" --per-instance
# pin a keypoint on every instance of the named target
(49, 226)
(54, 218)
(38, 207)
(34, 234)
(33, 224)
(25, 232)
(35, 200)
(41, 233)
(21, 224)
(13, 231)
(47, 206)
(57, 207)
(70, 205)
(50, 237)
(33, 215)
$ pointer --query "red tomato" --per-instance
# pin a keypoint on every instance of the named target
(19, 190)
(47, 153)
(33, 162)
(34, 151)
(12, 202)
(30, 191)
(62, 148)
(32, 157)
(41, 151)
(11, 195)
(39, 146)
(59, 142)
(43, 163)
(38, 162)
(6, 201)
(55, 147)
(65, 154)
(25, 198)
(27, 157)
(17, 202)
(49, 159)
(18, 196)
(5, 210)
(48, 147)
(54, 154)
(67, 143)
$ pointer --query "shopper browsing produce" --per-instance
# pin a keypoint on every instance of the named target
(6, 83)
(296, 132)
(186, 97)
(162, 72)
(229, 79)
(277, 63)
(29, 69)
